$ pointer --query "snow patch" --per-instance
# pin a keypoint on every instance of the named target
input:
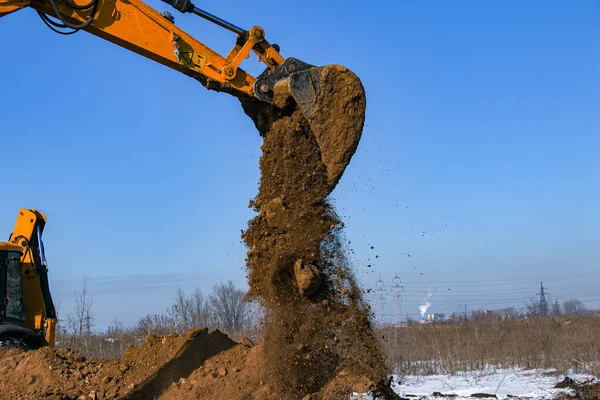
(519, 382)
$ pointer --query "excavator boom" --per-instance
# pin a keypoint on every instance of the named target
(7, 7)
(138, 27)
(335, 118)
(331, 98)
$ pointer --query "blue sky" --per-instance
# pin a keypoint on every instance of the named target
(477, 172)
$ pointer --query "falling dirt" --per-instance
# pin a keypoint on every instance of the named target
(317, 323)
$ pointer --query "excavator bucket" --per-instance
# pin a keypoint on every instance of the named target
(333, 101)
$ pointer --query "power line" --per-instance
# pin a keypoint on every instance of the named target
(466, 289)
(523, 279)
(501, 285)
(381, 292)
(396, 288)
(482, 296)
(543, 302)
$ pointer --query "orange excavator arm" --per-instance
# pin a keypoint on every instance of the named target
(136, 26)
(334, 112)
(7, 7)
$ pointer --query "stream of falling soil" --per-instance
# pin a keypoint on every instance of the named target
(309, 340)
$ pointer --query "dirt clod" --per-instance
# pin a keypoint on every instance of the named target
(245, 341)
(566, 383)
(308, 277)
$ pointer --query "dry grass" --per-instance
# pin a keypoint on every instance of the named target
(564, 343)
(560, 342)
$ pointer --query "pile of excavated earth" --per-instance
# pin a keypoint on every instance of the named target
(198, 365)
(317, 341)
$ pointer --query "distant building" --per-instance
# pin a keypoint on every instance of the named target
(436, 317)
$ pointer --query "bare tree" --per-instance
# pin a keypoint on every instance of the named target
(81, 320)
(199, 310)
(574, 306)
(79, 323)
(157, 324)
(230, 310)
(534, 308)
(189, 311)
(556, 308)
(509, 312)
(117, 328)
(180, 311)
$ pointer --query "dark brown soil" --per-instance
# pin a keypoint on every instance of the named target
(151, 370)
(588, 390)
(308, 339)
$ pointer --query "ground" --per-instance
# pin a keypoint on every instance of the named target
(495, 383)
(203, 365)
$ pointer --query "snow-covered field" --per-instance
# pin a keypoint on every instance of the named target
(503, 383)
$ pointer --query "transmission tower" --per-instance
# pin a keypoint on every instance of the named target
(543, 301)
(381, 293)
(396, 289)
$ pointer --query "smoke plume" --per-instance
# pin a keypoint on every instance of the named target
(426, 304)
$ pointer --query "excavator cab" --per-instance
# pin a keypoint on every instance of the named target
(13, 328)
(11, 290)
(27, 313)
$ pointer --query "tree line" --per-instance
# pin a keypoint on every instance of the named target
(225, 308)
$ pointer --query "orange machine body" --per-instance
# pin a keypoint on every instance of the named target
(27, 313)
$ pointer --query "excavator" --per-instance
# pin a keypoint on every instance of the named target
(317, 91)
(27, 314)
(334, 112)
